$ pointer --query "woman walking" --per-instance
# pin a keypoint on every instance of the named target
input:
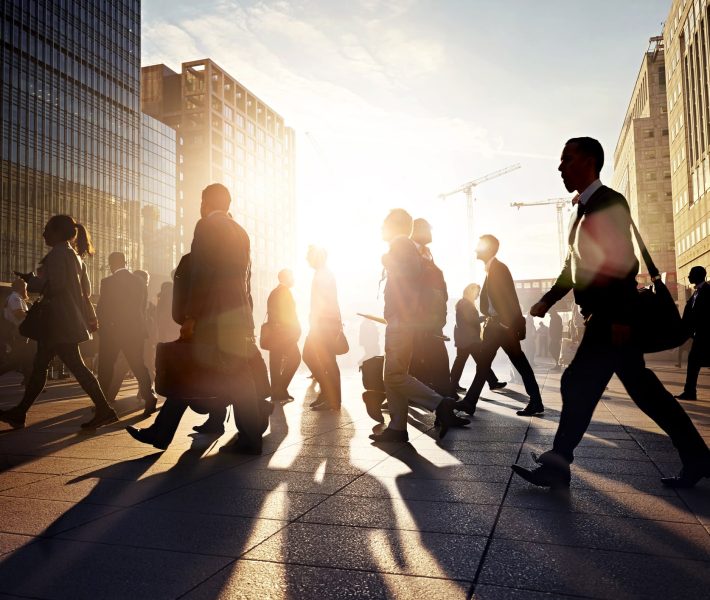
(67, 318)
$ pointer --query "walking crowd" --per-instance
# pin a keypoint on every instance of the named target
(207, 357)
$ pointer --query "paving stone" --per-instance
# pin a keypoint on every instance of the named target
(592, 573)
(10, 542)
(68, 570)
(311, 464)
(259, 479)
(259, 580)
(680, 540)
(494, 592)
(163, 530)
(418, 469)
(13, 479)
(44, 517)
(415, 515)
(404, 552)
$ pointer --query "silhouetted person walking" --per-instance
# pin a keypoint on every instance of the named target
(696, 319)
(122, 316)
(64, 284)
(601, 268)
(21, 353)
(467, 338)
(430, 359)
(504, 328)
(369, 339)
(168, 330)
(325, 324)
(284, 355)
(403, 268)
(555, 338)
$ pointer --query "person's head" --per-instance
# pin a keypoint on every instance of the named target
(581, 163)
(166, 289)
(316, 257)
(286, 277)
(421, 231)
(144, 275)
(20, 287)
(487, 247)
(215, 197)
(471, 291)
(697, 275)
(63, 228)
(397, 222)
(116, 261)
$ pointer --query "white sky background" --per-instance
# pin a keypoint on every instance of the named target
(408, 99)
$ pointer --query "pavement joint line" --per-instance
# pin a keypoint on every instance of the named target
(552, 594)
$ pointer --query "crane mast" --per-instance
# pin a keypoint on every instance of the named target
(560, 204)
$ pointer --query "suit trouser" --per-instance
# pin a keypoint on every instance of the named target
(462, 354)
(695, 363)
(583, 384)
(322, 362)
(430, 361)
(70, 355)
(133, 349)
(400, 387)
(496, 336)
(283, 363)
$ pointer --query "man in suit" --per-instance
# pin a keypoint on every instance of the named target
(601, 268)
(284, 356)
(403, 267)
(696, 319)
(121, 312)
(504, 328)
(430, 359)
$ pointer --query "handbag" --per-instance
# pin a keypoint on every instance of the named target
(658, 324)
(372, 371)
(340, 344)
(37, 320)
(267, 336)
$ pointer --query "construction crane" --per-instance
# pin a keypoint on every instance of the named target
(560, 204)
(467, 189)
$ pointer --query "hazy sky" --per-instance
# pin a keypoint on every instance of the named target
(406, 99)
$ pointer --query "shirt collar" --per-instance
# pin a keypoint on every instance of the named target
(121, 269)
(489, 262)
(589, 191)
(701, 286)
(216, 212)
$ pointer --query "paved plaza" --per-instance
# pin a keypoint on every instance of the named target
(325, 514)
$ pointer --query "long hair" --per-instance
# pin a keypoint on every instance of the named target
(70, 231)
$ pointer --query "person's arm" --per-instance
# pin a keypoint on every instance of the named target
(559, 290)
(508, 285)
(202, 269)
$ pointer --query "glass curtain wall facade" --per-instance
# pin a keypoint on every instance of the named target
(70, 113)
(158, 193)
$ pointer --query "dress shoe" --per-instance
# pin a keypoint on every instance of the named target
(447, 418)
(498, 385)
(688, 476)
(151, 404)
(464, 406)
(532, 409)
(390, 436)
(552, 472)
(146, 436)
(239, 447)
(209, 426)
(320, 399)
(100, 418)
(686, 396)
(373, 404)
(459, 389)
(14, 418)
(324, 406)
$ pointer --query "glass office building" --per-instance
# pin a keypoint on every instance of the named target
(70, 114)
(158, 197)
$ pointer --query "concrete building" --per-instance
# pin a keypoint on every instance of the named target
(159, 234)
(686, 36)
(70, 113)
(642, 164)
(232, 137)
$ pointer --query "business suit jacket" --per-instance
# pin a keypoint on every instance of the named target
(218, 296)
(601, 266)
(403, 267)
(467, 331)
(281, 311)
(498, 291)
(696, 317)
(122, 305)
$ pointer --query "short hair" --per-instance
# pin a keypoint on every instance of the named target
(283, 274)
(144, 275)
(318, 254)
(217, 196)
(697, 274)
(400, 220)
(118, 257)
(492, 241)
(471, 288)
(590, 147)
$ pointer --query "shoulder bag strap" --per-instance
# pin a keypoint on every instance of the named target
(650, 265)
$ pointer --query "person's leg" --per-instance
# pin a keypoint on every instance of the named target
(462, 355)
(108, 354)
(70, 354)
(511, 346)
(168, 420)
(694, 365)
(292, 359)
(484, 358)
(276, 360)
(330, 374)
(658, 403)
(247, 415)
(439, 365)
(475, 352)
(134, 351)
(37, 379)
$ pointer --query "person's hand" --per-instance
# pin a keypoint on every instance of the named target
(539, 309)
(620, 334)
(187, 329)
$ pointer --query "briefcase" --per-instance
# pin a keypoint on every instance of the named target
(372, 371)
(178, 373)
